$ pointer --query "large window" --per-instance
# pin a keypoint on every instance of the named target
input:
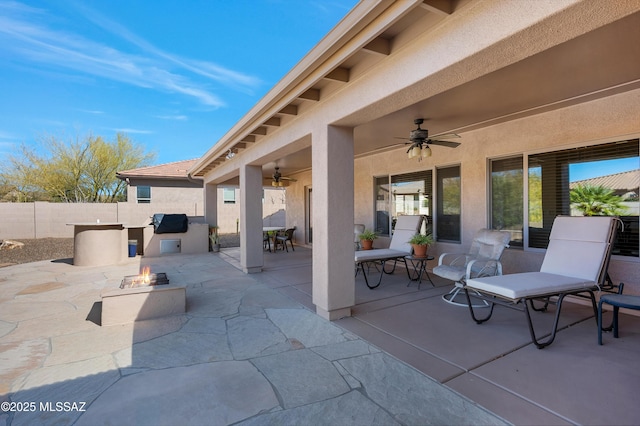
(507, 197)
(143, 194)
(412, 194)
(593, 180)
(406, 194)
(448, 211)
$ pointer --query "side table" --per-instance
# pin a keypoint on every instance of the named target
(618, 301)
(420, 268)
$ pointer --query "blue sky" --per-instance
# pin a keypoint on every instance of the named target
(581, 171)
(173, 75)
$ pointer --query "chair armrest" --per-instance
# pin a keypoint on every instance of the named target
(453, 259)
(477, 268)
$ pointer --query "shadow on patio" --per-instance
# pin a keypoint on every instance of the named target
(573, 381)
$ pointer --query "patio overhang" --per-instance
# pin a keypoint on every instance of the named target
(575, 58)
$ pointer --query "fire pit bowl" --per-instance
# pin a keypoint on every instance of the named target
(142, 297)
(149, 279)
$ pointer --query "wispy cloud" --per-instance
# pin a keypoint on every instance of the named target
(134, 131)
(206, 69)
(173, 117)
(6, 136)
(26, 35)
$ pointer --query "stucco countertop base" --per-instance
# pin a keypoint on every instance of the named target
(97, 244)
(123, 306)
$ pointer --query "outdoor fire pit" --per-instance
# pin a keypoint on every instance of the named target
(141, 297)
(144, 279)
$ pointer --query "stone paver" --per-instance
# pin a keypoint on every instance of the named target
(213, 393)
(302, 377)
(242, 353)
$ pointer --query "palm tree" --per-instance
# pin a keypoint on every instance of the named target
(596, 201)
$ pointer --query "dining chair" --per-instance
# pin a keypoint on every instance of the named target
(283, 238)
(266, 241)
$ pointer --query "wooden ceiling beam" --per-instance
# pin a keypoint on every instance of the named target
(289, 110)
(379, 46)
(311, 95)
(240, 145)
(273, 121)
(260, 131)
(440, 7)
(339, 74)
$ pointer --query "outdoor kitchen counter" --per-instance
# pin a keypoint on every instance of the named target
(99, 243)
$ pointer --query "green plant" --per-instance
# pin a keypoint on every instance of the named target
(421, 239)
(596, 201)
(213, 235)
(368, 234)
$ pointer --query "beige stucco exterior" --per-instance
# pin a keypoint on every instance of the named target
(510, 77)
(181, 194)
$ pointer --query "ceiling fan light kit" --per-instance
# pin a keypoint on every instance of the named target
(419, 140)
(280, 181)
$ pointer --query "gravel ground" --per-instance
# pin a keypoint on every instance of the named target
(35, 250)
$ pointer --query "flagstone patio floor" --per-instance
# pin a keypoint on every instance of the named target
(250, 350)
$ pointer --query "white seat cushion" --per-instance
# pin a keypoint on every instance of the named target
(452, 273)
(529, 284)
(379, 254)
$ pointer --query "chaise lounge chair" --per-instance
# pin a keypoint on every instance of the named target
(575, 263)
(406, 227)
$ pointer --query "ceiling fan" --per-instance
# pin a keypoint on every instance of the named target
(419, 141)
(279, 180)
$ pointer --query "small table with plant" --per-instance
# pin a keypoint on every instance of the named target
(419, 258)
(419, 264)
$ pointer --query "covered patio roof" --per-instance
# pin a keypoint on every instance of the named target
(580, 53)
(468, 67)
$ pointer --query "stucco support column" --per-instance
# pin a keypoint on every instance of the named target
(211, 203)
(333, 248)
(251, 256)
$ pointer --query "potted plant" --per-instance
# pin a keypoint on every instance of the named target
(420, 244)
(366, 239)
(214, 238)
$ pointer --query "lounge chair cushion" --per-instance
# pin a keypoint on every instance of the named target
(528, 284)
(583, 259)
(578, 247)
(379, 254)
(400, 240)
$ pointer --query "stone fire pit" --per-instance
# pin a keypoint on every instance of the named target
(136, 300)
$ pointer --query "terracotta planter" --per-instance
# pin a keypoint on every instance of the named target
(366, 244)
(419, 250)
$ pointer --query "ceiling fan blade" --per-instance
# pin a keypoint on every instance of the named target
(448, 144)
(447, 136)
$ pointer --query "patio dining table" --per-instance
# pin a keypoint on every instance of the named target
(274, 230)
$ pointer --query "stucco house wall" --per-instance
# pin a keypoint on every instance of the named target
(172, 191)
(599, 121)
